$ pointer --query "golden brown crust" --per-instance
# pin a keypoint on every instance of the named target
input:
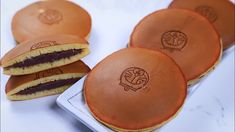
(50, 18)
(198, 50)
(215, 11)
(126, 108)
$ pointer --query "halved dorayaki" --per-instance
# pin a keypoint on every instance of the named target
(50, 17)
(184, 35)
(44, 83)
(44, 53)
(135, 89)
(221, 13)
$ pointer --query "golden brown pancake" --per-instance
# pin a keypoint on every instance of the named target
(135, 89)
(184, 35)
(44, 83)
(50, 17)
(44, 53)
(219, 12)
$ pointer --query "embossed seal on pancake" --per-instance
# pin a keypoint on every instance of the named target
(50, 16)
(174, 40)
(134, 78)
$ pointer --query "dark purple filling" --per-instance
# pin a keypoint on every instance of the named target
(48, 86)
(44, 58)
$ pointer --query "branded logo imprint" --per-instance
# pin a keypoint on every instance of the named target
(174, 40)
(134, 78)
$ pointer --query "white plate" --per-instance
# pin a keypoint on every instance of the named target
(73, 102)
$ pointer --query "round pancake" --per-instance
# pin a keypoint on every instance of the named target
(186, 36)
(135, 89)
(219, 12)
(50, 18)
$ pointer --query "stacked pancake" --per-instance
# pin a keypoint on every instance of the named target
(44, 66)
(51, 38)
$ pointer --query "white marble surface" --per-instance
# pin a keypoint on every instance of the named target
(209, 109)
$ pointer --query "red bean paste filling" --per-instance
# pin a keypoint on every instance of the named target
(48, 86)
(45, 58)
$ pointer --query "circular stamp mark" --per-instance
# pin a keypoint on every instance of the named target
(207, 12)
(134, 78)
(174, 40)
(50, 16)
